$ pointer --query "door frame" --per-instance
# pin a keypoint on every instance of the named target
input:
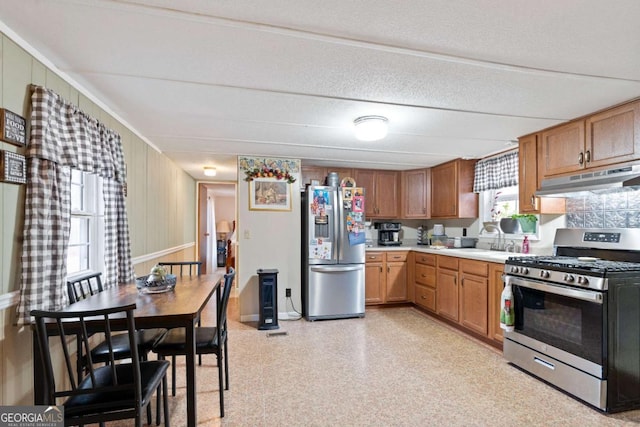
(201, 220)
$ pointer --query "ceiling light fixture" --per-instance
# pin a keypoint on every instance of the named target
(209, 171)
(371, 128)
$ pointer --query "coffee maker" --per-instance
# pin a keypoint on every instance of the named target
(389, 233)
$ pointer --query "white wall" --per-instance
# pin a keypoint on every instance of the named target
(267, 240)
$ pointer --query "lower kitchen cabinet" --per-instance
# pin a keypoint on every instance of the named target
(374, 278)
(386, 277)
(447, 283)
(424, 276)
(496, 285)
(474, 295)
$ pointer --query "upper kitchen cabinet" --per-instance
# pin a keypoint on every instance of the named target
(602, 139)
(312, 173)
(529, 180)
(563, 148)
(613, 136)
(381, 192)
(416, 193)
(452, 193)
(319, 173)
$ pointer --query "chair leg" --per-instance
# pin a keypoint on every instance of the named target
(165, 402)
(158, 394)
(226, 367)
(173, 376)
(220, 385)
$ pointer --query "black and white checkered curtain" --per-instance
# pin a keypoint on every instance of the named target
(63, 137)
(496, 172)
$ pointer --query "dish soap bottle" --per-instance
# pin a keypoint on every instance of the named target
(525, 245)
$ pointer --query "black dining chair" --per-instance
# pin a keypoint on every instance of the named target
(81, 287)
(105, 393)
(209, 340)
(191, 268)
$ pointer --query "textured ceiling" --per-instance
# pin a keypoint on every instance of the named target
(205, 81)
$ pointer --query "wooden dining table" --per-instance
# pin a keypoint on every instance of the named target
(179, 308)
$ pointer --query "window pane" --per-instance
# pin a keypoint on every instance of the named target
(77, 190)
(77, 259)
(79, 231)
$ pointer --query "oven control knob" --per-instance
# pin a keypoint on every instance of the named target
(544, 274)
(583, 280)
(515, 269)
(525, 270)
(569, 278)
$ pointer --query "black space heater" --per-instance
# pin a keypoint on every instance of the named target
(268, 296)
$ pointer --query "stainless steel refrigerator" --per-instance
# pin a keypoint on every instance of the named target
(333, 252)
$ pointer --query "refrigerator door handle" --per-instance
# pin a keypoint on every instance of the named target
(332, 269)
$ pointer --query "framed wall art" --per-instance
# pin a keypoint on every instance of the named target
(13, 168)
(13, 128)
(269, 194)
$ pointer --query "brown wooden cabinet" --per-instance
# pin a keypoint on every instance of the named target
(447, 294)
(385, 277)
(396, 277)
(474, 288)
(416, 193)
(381, 192)
(374, 278)
(529, 180)
(424, 274)
(601, 139)
(319, 173)
(496, 285)
(613, 136)
(452, 193)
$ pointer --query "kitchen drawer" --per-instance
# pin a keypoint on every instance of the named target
(425, 275)
(374, 256)
(448, 262)
(477, 268)
(426, 297)
(427, 259)
(396, 256)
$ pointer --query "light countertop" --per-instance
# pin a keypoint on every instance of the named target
(470, 253)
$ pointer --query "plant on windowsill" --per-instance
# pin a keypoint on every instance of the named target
(527, 222)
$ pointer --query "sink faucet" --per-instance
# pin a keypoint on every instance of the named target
(511, 247)
(498, 245)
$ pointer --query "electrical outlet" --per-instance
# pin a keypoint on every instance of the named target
(287, 292)
(247, 234)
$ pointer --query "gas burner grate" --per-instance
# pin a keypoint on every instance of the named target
(586, 264)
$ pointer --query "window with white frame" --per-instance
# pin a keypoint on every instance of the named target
(499, 203)
(86, 248)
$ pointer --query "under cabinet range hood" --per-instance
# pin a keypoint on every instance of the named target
(597, 181)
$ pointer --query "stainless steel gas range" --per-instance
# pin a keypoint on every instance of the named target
(577, 316)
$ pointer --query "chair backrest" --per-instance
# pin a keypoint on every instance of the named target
(224, 302)
(192, 268)
(122, 390)
(80, 287)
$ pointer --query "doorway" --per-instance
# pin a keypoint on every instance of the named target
(217, 212)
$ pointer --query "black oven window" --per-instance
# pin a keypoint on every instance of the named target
(570, 324)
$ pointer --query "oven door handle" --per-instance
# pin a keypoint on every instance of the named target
(596, 297)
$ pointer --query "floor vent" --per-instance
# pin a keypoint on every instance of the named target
(277, 334)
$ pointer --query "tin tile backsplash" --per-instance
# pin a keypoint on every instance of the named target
(611, 210)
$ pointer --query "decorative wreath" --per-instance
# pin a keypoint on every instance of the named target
(266, 172)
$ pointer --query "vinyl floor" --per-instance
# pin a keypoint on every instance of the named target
(395, 367)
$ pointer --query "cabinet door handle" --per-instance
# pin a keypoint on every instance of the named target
(423, 297)
(388, 269)
(424, 275)
(381, 269)
(588, 156)
(581, 158)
